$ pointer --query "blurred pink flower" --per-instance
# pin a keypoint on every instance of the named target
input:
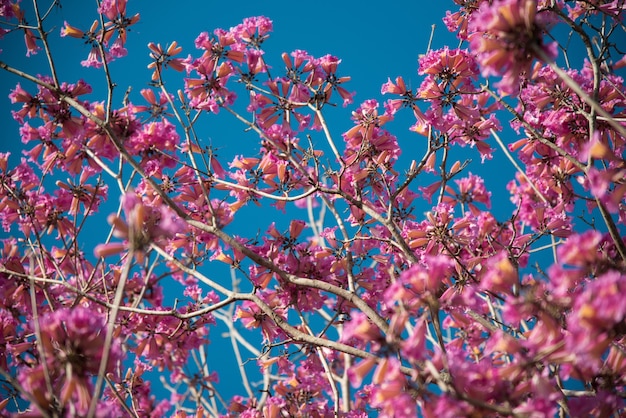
(143, 226)
(507, 36)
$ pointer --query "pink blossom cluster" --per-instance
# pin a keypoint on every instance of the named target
(407, 289)
(115, 27)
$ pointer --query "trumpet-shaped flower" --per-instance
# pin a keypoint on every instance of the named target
(507, 37)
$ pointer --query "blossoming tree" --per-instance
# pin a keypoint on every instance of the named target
(363, 305)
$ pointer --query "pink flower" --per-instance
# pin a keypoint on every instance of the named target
(428, 278)
(94, 59)
(117, 49)
(251, 316)
(408, 98)
(69, 30)
(253, 31)
(156, 141)
(389, 392)
(143, 226)
(29, 36)
(361, 328)
(156, 108)
(6, 9)
(209, 92)
(508, 36)
(472, 190)
(115, 11)
(499, 274)
(329, 64)
(284, 105)
(77, 330)
(73, 341)
(163, 58)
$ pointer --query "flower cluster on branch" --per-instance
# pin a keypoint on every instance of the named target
(407, 288)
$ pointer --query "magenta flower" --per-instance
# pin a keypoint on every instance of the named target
(508, 36)
(115, 11)
(209, 92)
(94, 58)
(251, 316)
(156, 142)
(156, 108)
(143, 226)
(73, 341)
(6, 9)
(163, 58)
(471, 190)
(253, 31)
(499, 274)
(283, 105)
(599, 313)
(408, 98)
(30, 39)
(329, 64)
